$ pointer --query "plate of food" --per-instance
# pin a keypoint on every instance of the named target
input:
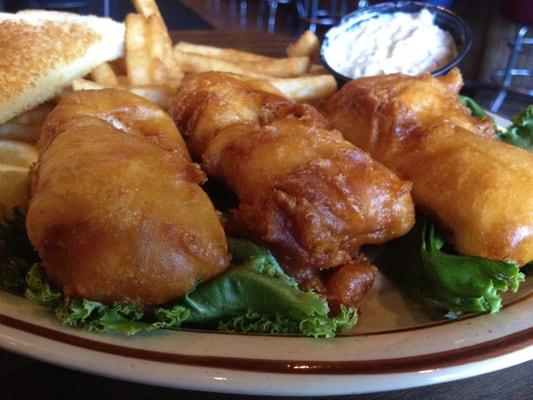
(212, 219)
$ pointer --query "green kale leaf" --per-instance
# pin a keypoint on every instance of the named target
(420, 265)
(520, 133)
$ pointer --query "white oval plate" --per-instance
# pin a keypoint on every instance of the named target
(395, 346)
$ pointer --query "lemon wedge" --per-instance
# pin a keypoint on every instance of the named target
(16, 159)
(14, 187)
(17, 153)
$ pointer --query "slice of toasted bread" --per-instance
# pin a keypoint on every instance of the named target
(41, 52)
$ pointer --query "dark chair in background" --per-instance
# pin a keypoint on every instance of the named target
(100, 7)
(520, 11)
(315, 13)
(177, 16)
(81, 7)
(308, 14)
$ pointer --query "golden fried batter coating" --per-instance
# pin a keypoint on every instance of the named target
(312, 197)
(116, 212)
(479, 189)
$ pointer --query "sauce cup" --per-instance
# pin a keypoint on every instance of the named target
(444, 19)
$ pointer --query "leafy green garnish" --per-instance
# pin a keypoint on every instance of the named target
(424, 270)
(475, 109)
(317, 326)
(520, 133)
(16, 253)
(254, 295)
(38, 290)
(127, 319)
(13, 274)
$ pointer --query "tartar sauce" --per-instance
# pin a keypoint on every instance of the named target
(409, 43)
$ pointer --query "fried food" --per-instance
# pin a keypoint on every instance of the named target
(116, 212)
(307, 44)
(104, 74)
(310, 196)
(137, 52)
(232, 55)
(306, 88)
(480, 190)
(157, 46)
(196, 63)
(157, 94)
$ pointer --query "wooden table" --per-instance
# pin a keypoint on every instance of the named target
(25, 379)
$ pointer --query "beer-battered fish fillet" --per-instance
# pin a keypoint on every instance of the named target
(116, 212)
(479, 189)
(309, 195)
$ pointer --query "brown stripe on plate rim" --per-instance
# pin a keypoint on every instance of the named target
(482, 351)
(445, 321)
(426, 325)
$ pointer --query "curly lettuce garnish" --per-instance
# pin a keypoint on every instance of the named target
(254, 295)
(519, 133)
(475, 109)
(422, 266)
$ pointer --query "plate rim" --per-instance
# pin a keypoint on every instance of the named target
(243, 382)
(450, 358)
(485, 350)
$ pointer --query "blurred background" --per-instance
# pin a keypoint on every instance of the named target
(498, 70)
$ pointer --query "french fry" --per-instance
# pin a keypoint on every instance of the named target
(159, 72)
(279, 68)
(305, 89)
(137, 54)
(119, 66)
(164, 69)
(276, 67)
(158, 94)
(122, 80)
(104, 75)
(231, 55)
(194, 63)
(317, 69)
(146, 7)
(306, 45)
(158, 69)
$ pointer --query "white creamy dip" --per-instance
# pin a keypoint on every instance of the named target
(409, 43)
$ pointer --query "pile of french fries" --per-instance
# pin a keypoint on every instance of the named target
(148, 68)
(295, 76)
(153, 68)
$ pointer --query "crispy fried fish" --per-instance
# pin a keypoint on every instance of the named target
(479, 189)
(116, 212)
(312, 197)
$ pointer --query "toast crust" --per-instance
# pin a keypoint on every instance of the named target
(42, 52)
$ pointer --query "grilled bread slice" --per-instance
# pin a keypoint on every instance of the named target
(41, 52)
